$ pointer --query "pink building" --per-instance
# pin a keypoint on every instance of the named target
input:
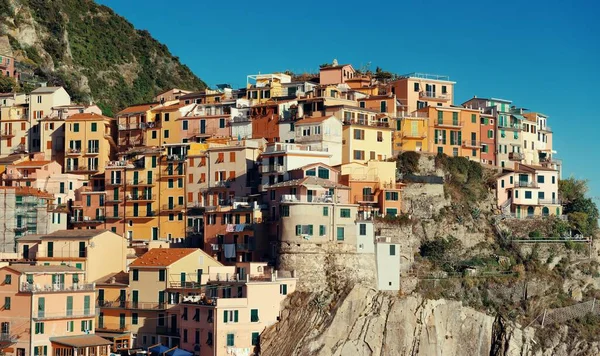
(235, 305)
(26, 174)
(336, 73)
(7, 66)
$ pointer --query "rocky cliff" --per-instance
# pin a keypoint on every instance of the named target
(96, 54)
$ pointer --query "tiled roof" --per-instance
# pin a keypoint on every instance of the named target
(171, 107)
(32, 164)
(120, 278)
(70, 234)
(309, 181)
(22, 268)
(162, 257)
(87, 116)
(29, 191)
(81, 340)
(137, 108)
(312, 120)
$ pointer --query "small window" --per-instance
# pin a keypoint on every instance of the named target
(528, 194)
(285, 210)
(340, 233)
(94, 127)
(362, 229)
(283, 289)
(392, 250)
(325, 211)
(230, 339)
(416, 86)
(540, 179)
(135, 274)
(344, 213)
(161, 275)
(8, 279)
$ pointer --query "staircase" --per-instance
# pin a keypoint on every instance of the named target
(505, 207)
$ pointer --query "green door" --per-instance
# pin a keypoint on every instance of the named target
(161, 298)
(121, 321)
(182, 279)
(134, 298)
(69, 306)
(135, 177)
(41, 307)
(86, 305)
(122, 297)
(150, 176)
(100, 297)
(101, 320)
(171, 203)
(136, 209)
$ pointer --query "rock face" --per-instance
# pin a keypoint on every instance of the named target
(96, 54)
(367, 322)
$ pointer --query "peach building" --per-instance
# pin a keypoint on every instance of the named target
(48, 310)
(7, 67)
(206, 120)
(29, 173)
(454, 131)
(41, 102)
(233, 307)
(488, 138)
(529, 191)
(170, 95)
(336, 73)
(14, 128)
(419, 90)
(112, 323)
(366, 136)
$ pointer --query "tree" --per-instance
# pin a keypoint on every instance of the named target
(570, 189)
(7, 84)
(582, 212)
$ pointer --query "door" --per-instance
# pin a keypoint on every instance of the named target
(86, 305)
(135, 177)
(174, 323)
(473, 139)
(122, 297)
(161, 298)
(134, 298)
(182, 279)
(26, 252)
(100, 297)
(171, 202)
(309, 195)
(149, 177)
(202, 126)
(154, 233)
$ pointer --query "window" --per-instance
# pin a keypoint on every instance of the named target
(325, 211)
(94, 127)
(360, 155)
(134, 318)
(541, 195)
(166, 134)
(39, 328)
(62, 187)
(230, 316)
(50, 249)
(283, 289)
(171, 183)
(70, 326)
(86, 325)
(135, 274)
(392, 196)
(154, 135)
(161, 275)
(362, 229)
(8, 279)
(416, 86)
(502, 183)
(255, 339)
(528, 194)
(474, 118)
(75, 127)
(230, 339)
(344, 213)
(322, 230)
(221, 123)
(444, 89)
(304, 230)
(166, 116)
(6, 303)
(285, 210)
(184, 125)
(553, 180)
(540, 179)
(392, 250)
(254, 315)
(340, 234)
(359, 134)
(323, 173)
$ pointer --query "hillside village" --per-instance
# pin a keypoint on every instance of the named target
(181, 225)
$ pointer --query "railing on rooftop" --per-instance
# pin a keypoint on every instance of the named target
(56, 287)
(426, 76)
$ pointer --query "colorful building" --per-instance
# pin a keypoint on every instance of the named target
(366, 136)
(321, 133)
(418, 90)
(41, 102)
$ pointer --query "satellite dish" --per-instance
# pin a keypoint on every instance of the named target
(92, 244)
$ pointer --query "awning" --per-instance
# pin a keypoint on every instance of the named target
(178, 352)
(158, 349)
(81, 340)
(111, 336)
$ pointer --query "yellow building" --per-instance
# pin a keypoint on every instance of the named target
(156, 282)
(260, 88)
(14, 128)
(367, 135)
(419, 90)
(89, 143)
(111, 322)
(172, 193)
(167, 129)
(411, 132)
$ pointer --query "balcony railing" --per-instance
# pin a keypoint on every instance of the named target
(272, 168)
(366, 198)
(92, 151)
(132, 214)
(366, 122)
(71, 314)
(471, 143)
(73, 151)
(522, 184)
(175, 158)
(222, 184)
(515, 156)
(240, 119)
(8, 338)
(19, 176)
(81, 169)
(7, 133)
(121, 304)
(142, 197)
(133, 126)
(448, 123)
(56, 287)
(434, 95)
(172, 207)
(88, 219)
(550, 202)
(112, 326)
(167, 330)
(290, 198)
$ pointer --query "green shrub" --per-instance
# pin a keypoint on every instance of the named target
(408, 162)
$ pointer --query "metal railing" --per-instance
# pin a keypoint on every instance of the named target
(172, 207)
(272, 168)
(81, 169)
(127, 304)
(521, 184)
(7, 133)
(434, 95)
(549, 202)
(515, 156)
(448, 123)
(87, 219)
(8, 337)
(366, 198)
(56, 287)
(366, 122)
(291, 198)
(142, 197)
(471, 143)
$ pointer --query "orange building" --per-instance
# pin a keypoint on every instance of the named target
(454, 131)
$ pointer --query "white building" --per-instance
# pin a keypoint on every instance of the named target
(322, 133)
(41, 102)
(387, 256)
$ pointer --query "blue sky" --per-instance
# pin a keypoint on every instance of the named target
(543, 56)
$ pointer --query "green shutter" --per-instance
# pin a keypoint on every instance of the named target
(86, 305)
(50, 252)
(451, 138)
(235, 316)
(225, 316)
(444, 137)
(41, 307)
(459, 138)
(310, 230)
(83, 325)
(435, 138)
(321, 230)
(298, 230)
(69, 305)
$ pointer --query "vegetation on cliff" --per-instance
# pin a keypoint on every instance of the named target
(93, 52)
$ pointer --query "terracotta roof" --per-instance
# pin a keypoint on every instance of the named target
(137, 108)
(120, 278)
(171, 107)
(87, 116)
(312, 120)
(32, 164)
(71, 234)
(309, 181)
(81, 340)
(30, 238)
(29, 191)
(22, 268)
(329, 67)
(530, 167)
(162, 257)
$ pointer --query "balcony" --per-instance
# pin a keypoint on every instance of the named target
(175, 158)
(546, 128)
(272, 168)
(240, 119)
(92, 151)
(245, 246)
(411, 135)
(113, 182)
(8, 338)
(141, 197)
(523, 184)
(58, 208)
(7, 133)
(312, 138)
(549, 202)
(132, 214)
(19, 176)
(67, 314)
(471, 144)
(121, 304)
(221, 184)
(172, 208)
(112, 327)
(113, 217)
(172, 173)
(185, 285)
(81, 169)
(134, 126)
(368, 199)
(290, 198)
(167, 330)
(56, 287)
(448, 123)
(82, 220)
(432, 95)
(138, 183)
(366, 122)
(509, 126)
(73, 151)
(396, 186)
(515, 156)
